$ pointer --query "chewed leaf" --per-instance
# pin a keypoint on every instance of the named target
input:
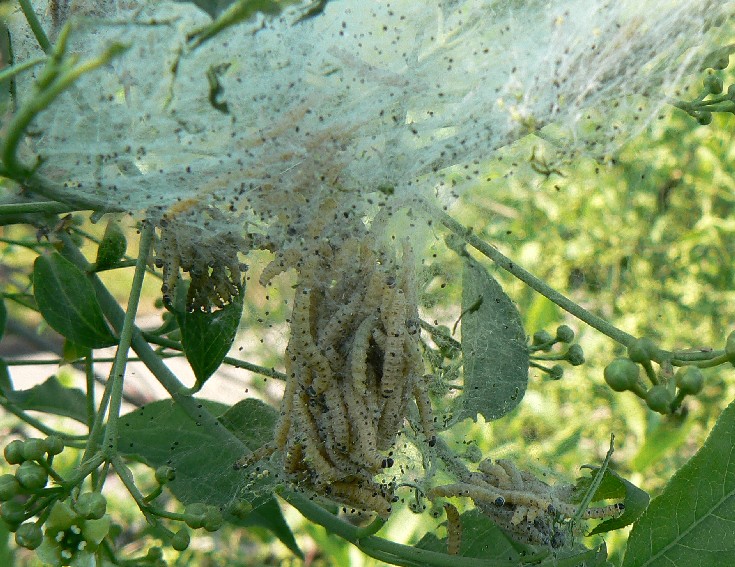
(614, 486)
(207, 337)
(66, 299)
(493, 346)
(690, 523)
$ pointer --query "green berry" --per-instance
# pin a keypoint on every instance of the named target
(181, 540)
(241, 509)
(196, 515)
(713, 84)
(13, 512)
(642, 350)
(154, 554)
(659, 399)
(690, 380)
(704, 117)
(14, 452)
(54, 444)
(564, 334)
(575, 355)
(34, 449)
(556, 372)
(729, 347)
(165, 474)
(622, 374)
(28, 535)
(542, 338)
(213, 519)
(31, 476)
(90, 505)
(9, 487)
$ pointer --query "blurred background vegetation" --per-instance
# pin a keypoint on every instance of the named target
(646, 240)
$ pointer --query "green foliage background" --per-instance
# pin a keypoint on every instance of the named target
(646, 240)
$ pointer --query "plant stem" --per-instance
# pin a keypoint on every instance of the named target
(382, 549)
(43, 98)
(117, 373)
(174, 345)
(50, 207)
(39, 425)
(35, 25)
(10, 72)
(529, 279)
(178, 392)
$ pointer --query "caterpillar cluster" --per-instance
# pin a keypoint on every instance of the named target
(210, 259)
(526, 508)
(353, 364)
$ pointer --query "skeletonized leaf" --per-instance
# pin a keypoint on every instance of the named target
(691, 523)
(493, 346)
(66, 299)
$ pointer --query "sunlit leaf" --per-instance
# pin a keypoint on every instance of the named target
(66, 299)
(493, 346)
(691, 523)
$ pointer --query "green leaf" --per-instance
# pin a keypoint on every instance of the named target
(162, 434)
(3, 317)
(112, 247)
(690, 523)
(66, 299)
(251, 421)
(51, 397)
(493, 346)
(614, 486)
(207, 337)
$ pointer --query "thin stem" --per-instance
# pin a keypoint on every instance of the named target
(11, 72)
(382, 549)
(44, 98)
(117, 373)
(178, 391)
(50, 207)
(123, 472)
(89, 376)
(174, 345)
(35, 25)
(595, 484)
(529, 279)
(39, 425)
